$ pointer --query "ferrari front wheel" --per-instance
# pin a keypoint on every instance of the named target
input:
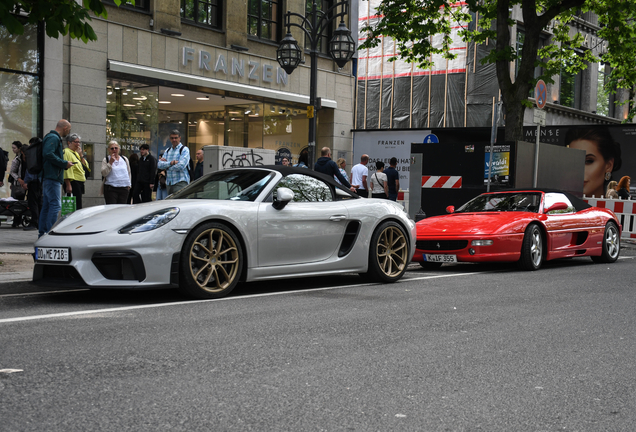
(388, 253)
(211, 262)
(611, 245)
(532, 248)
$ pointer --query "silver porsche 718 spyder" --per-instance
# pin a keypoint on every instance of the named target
(244, 224)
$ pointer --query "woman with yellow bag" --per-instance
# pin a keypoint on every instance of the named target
(75, 176)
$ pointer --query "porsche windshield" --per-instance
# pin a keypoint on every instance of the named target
(521, 202)
(240, 185)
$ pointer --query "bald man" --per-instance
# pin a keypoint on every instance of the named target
(53, 175)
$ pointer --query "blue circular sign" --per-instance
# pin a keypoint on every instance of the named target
(430, 138)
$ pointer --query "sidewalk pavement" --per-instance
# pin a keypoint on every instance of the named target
(19, 242)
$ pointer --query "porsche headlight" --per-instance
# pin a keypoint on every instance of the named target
(151, 221)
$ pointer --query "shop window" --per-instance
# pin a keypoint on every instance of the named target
(264, 18)
(206, 12)
(21, 84)
(140, 5)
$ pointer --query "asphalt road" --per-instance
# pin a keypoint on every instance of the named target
(465, 348)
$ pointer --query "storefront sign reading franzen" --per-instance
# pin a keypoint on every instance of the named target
(255, 71)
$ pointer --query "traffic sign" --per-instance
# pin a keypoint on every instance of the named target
(430, 138)
(541, 94)
(539, 117)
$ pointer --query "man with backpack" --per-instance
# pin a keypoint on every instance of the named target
(176, 161)
(53, 175)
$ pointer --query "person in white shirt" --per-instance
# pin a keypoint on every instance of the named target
(379, 184)
(359, 175)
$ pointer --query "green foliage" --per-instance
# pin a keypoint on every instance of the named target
(413, 23)
(61, 17)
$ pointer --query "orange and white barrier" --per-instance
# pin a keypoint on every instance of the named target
(442, 182)
(625, 211)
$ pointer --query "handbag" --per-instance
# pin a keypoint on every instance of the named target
(69, 204)
(17, 191)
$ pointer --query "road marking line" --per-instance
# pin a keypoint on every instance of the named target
(190, 302)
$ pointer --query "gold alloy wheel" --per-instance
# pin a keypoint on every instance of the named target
(214, 260)
(392, 251)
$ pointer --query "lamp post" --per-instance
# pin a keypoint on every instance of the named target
(341, 48)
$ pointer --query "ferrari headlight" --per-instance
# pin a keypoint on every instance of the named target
(481, 243)
(151, 221)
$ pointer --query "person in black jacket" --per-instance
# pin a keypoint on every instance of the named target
(327, 166)
(142, 189)
(4, 158)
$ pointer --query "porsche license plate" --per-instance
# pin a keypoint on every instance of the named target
(52, 254)
(443, 258)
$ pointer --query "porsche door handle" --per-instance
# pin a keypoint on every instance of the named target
(337, 218)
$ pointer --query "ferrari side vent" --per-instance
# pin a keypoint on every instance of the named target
(441, 245)
(349, 239)
(580, 238)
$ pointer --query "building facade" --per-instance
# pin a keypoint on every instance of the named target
(206, 68)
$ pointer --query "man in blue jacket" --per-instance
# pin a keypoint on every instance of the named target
(327, 166)
(53, 175)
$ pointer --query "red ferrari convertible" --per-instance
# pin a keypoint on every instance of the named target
(524, 226)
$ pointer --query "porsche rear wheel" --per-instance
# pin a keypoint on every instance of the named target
(611, 245)
(211, 262)
(388, 253)
(532, 248)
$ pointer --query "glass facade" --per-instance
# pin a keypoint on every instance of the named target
(137, 114)
(21, 84)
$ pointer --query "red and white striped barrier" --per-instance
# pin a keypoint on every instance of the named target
(625, 211)
(442, 182)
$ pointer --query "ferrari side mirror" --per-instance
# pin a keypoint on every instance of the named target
(556, 206)
(450, 209)
(283, 196)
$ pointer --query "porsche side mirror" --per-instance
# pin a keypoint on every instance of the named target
(450, 209)
(556, 206)
(283, 196)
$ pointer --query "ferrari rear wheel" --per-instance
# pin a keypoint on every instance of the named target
(532, 248)
(388, 253)
(611, 245)
(211, 262)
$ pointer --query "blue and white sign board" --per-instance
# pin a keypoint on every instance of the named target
(430, 138)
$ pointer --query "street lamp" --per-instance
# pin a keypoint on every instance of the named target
(341, 48)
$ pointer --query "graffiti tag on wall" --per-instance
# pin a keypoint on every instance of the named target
(238, 160)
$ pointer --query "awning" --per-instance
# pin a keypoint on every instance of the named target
(183, 78)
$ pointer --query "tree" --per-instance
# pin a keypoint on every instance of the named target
(412, 23)
(61, 17)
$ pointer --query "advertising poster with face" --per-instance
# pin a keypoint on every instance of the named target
(610, 151)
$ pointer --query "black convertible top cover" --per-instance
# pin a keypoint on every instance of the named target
(577, 202)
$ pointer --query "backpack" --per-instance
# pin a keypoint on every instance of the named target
(34, 158)
(190, 164)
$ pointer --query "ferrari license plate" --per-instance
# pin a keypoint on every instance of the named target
(52, 254)
(443, 258)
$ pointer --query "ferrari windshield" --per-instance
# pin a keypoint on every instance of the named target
(236, 185)
(521, 202)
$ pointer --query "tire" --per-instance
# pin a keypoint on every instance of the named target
(207, 272)
(430, 265)
(611, 245)
(532, 248)
(388, 253)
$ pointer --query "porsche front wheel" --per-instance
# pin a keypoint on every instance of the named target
(531, 248)
(388, 253)
(611, 245)
(211, 262)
